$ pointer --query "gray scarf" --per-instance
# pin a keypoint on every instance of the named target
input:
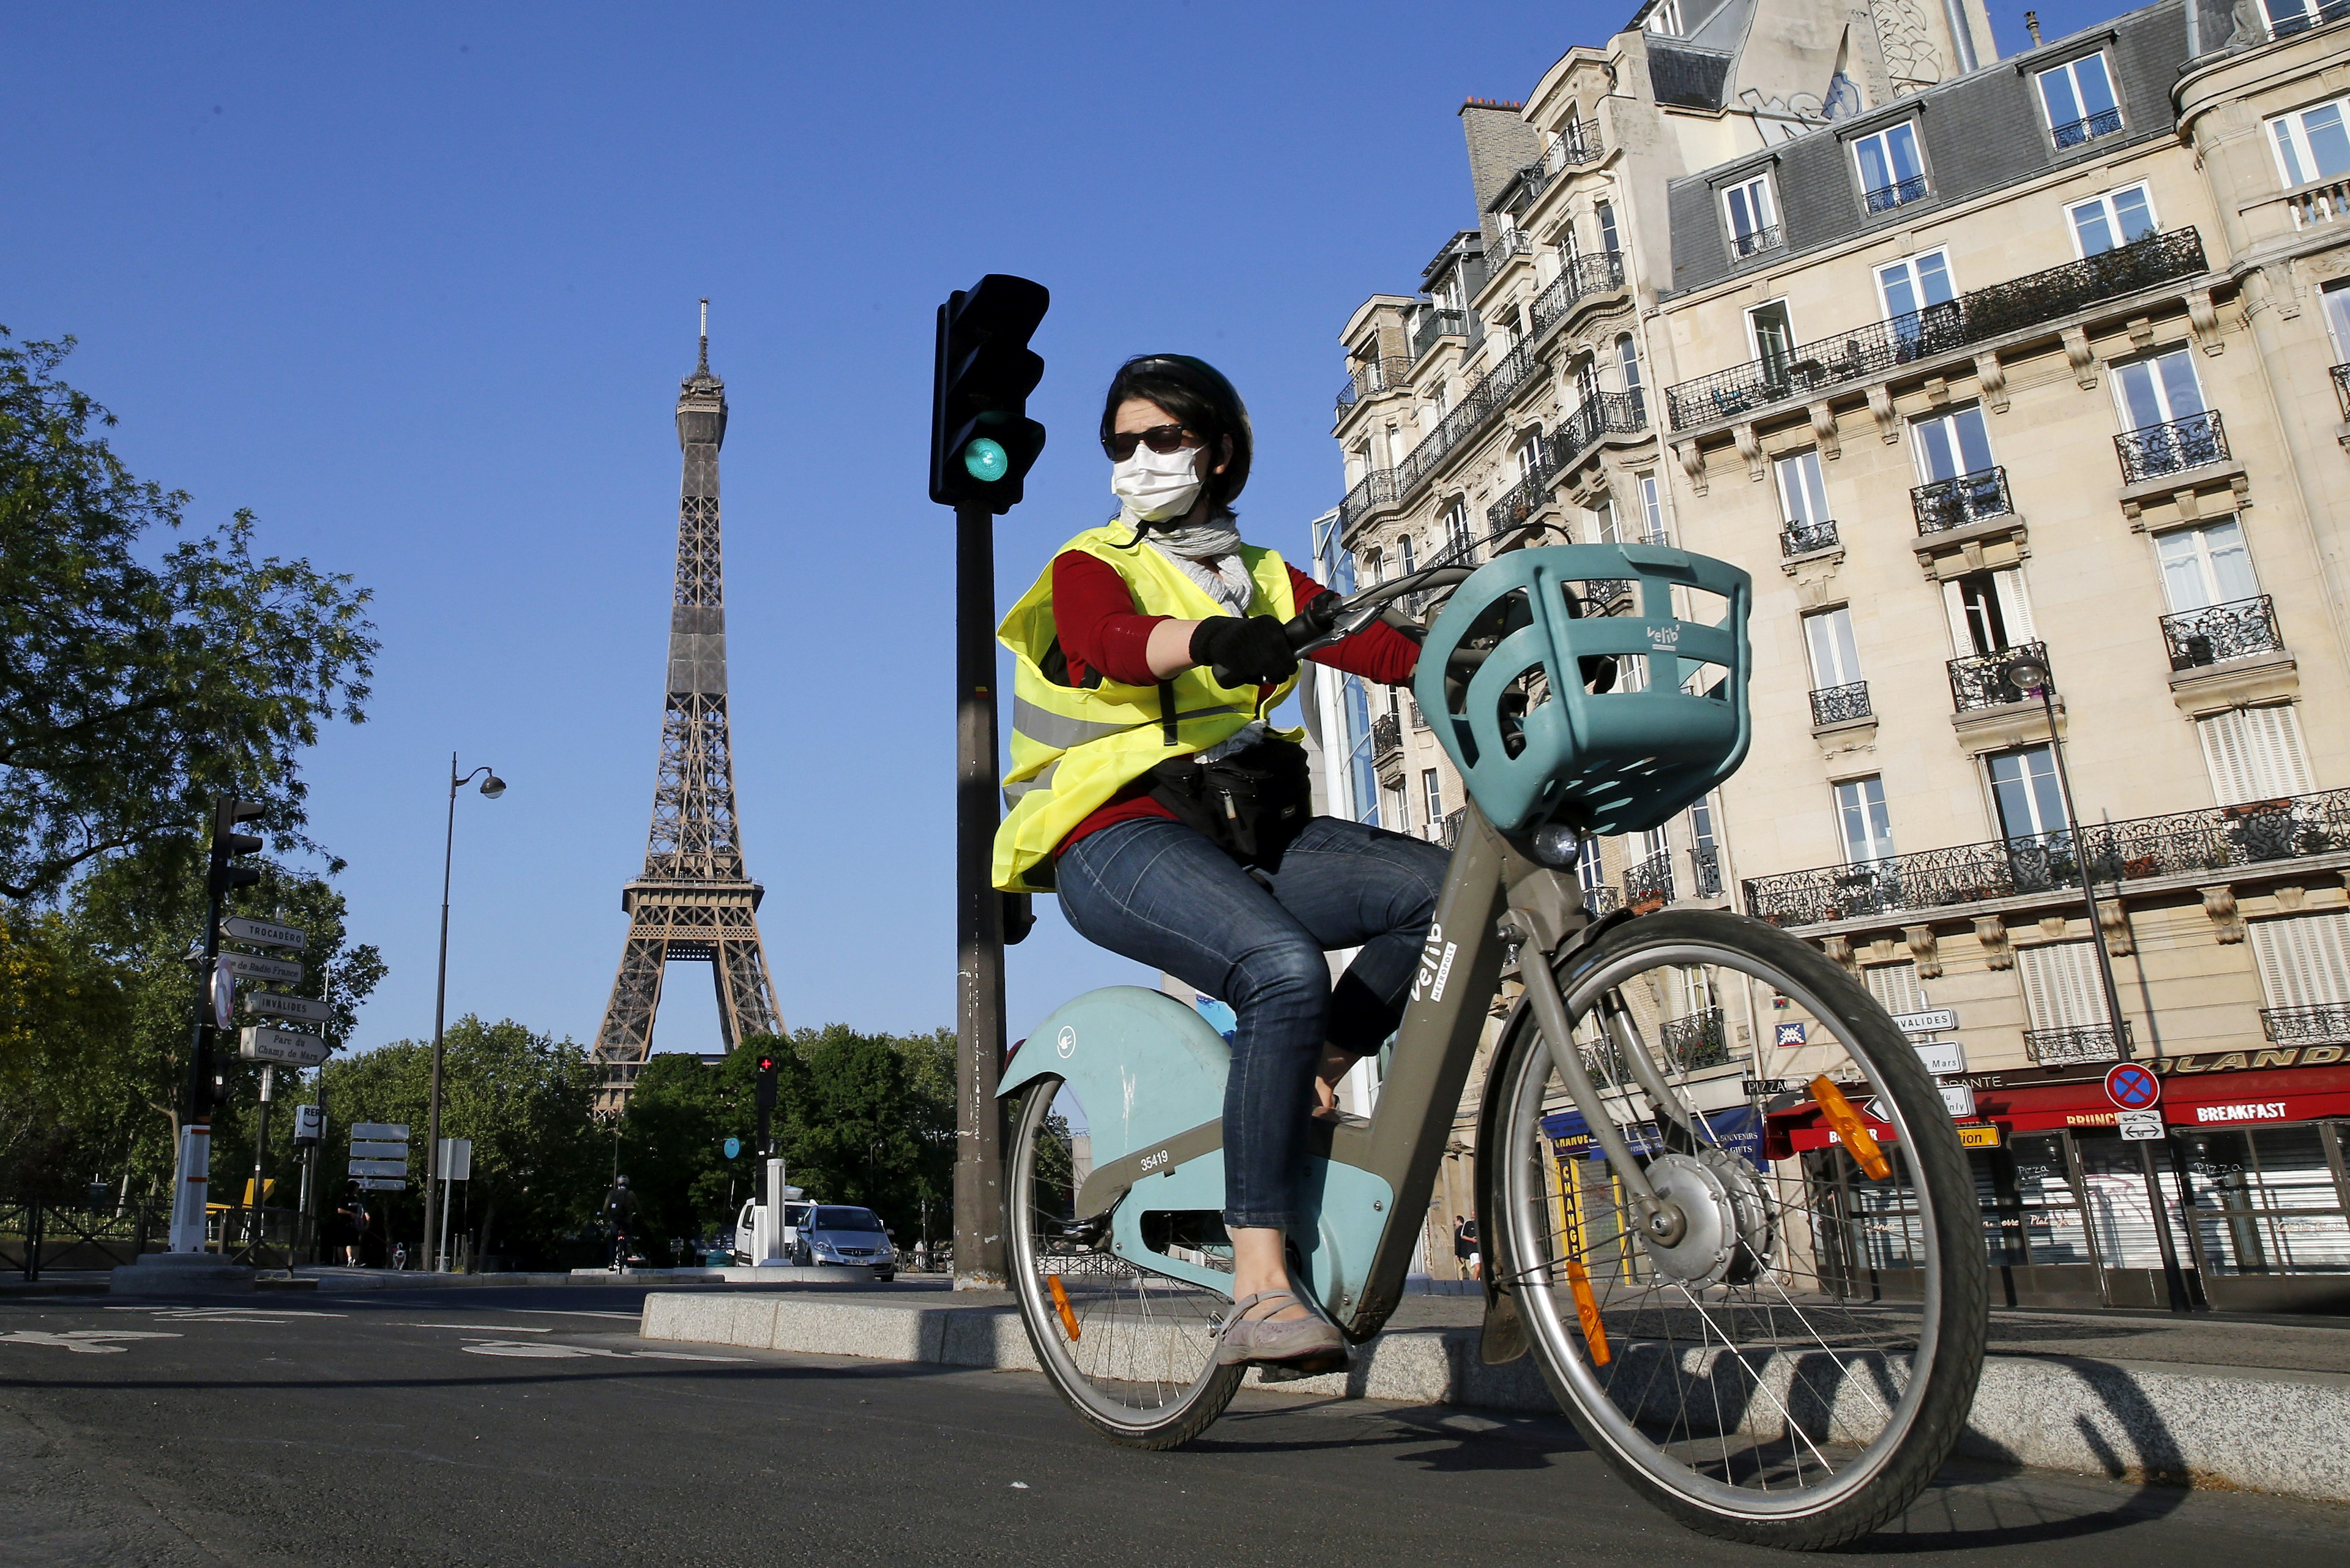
(1208, 553)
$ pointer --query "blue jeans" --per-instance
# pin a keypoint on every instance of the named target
(1156, 892)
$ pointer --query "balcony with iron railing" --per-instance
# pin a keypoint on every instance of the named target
(2153, 452)
(1521, 503)
(1602, 272)
(1433, 326)
(1801, 538)
(1949, 504)
(1375, 489)
(1692, 1043)
(1981, 679)
(1705, 860)
(1649, 884)
(1900, 193)
(2322, 1023)
(1743, 247)
(2183, 844)
(1575, 146)
(2080, 1043)
(2034, 300)
(1840, 704)
(2341, 374)
(2285, 27)
(1372, 378)
(1386, 741)
(2240, 628)
(1508, 242)
(2087, 129)
(1601, 901)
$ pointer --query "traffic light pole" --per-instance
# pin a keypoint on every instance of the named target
(191, 1182)
(979, 914)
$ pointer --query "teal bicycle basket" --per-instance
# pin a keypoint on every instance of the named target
(1535, 745)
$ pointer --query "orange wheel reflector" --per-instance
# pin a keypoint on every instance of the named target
(1850, 1129)
(1061, 1303)
(1586, 1312)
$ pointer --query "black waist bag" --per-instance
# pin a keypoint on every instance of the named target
(1251, 804)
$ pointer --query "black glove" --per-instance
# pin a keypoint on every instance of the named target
(1244, 651)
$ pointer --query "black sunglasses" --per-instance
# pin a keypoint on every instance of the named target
(1161, 438)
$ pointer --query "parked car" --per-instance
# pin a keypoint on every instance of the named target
(838, 1233)
(789, 1245)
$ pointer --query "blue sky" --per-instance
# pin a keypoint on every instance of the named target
(418, 287)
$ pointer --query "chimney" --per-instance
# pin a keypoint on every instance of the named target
(2031, 26)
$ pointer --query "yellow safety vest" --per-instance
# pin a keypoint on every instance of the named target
(1073, 747)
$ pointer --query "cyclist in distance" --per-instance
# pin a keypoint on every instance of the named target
(1151, 790)
(620, 1213)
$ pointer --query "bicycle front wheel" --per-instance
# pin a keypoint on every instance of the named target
(1788, 1355)
(1133, 1353)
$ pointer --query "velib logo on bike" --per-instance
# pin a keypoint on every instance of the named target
(1435, 965)
(1665, 638)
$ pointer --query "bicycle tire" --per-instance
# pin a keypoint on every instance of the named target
(1132, 1412)
(1621, 1424)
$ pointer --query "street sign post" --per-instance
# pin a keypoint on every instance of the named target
(249, 966)
(381, 1184)
(2132, 1087)
(1959, 1100)
(263, 934)
(456, 1164)
(1933, 1021)
(2140, 1126)
(1946, 1057)
(259, 1042)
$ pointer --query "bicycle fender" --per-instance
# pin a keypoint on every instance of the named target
(1145, 1066)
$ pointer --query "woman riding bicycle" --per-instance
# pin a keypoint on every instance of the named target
(1150, 791)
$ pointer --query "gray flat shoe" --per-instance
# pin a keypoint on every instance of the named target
(1245, 1339)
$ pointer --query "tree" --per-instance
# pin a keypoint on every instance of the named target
(133, 696)
(523, 1097)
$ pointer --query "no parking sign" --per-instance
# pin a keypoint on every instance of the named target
(2132, 1088)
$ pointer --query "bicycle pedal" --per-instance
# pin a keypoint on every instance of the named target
(1308, 1366)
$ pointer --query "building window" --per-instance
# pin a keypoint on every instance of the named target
(1705, 850)
(2205, 564)
(2115, 218)
(1803, 494)
(1664, 19)
(2286, 18)
(1362, 766)
(1432, 788)
(2024, 789)
(2078, 97)
(1895, 986)
(1988, 611)
(2312, 144)
(1652, 507)
(2157, 389)
(1627, 365)
(2305, 959)
(1753, 220)
(1773, 334)
(1403, 551)
(1602, 521)
(1951, 446)
(1457, 542)
(1860, 814)
(1605, 212)
(2060, 986)
(1835, 656)
(1892, 167)
(1913, 282)
(2254, 754)
(2335, 300)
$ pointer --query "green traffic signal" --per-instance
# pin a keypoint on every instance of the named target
(985, 460)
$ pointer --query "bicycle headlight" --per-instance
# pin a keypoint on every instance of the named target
(1555, 844)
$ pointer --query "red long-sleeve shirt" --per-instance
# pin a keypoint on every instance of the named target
(1101, 629)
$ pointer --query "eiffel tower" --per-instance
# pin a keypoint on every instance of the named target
(694, 899)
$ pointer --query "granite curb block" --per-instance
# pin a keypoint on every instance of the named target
(2173, 1423)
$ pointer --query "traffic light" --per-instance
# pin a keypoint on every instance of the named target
(983, 441)
(228, 843)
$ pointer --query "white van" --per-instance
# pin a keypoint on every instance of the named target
(789, 1245)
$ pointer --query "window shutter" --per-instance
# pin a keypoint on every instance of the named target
(2273, 742)
(2304, 960)
(2013, 608)
(2224, 753)
(2061, 989)
(1963, 640)
(1895, 986)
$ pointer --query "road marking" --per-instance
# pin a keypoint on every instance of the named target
(557, 1311)
(82, 1341)
(542, 1351)
(478, 1327)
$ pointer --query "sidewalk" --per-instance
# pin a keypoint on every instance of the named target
(2260, 1406)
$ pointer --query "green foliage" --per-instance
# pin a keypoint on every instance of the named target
(131, 696)
(859, 1119)
(539, 1160)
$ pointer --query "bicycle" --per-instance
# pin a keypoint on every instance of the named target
(1723, 1204)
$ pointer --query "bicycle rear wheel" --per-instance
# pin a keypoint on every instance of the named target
(1791, 1366)
(1133, 1353)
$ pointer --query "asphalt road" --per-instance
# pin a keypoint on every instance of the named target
(522, 1428)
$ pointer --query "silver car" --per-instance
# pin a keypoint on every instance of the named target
(837, 1233)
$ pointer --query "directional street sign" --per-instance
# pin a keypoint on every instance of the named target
(2140, 1126)
(261, 933)
(1959, 1099)
(246, 966)
(381, 1184)
(394, 1132)
(380, 1167)
(1943, 1056)
(456, 1159)
(2132, 1088)
(1933, 1021)
(262, 1043)
(275, 1005)
(379, 1149)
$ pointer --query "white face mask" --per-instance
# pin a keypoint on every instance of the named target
(1158, 485)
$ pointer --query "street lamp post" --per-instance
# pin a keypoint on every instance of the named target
(493, 786)
(2031, 677)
